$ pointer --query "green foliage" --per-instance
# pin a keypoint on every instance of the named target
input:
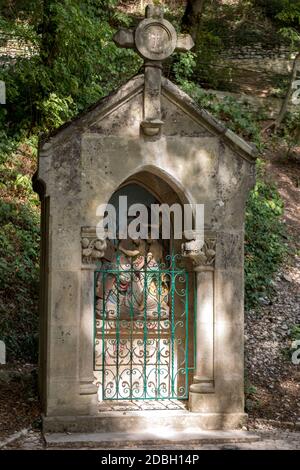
(285, 14)
(295, 332)
(70, 68)
(264, 245)
(209, 70)
(56, 110)
(290, 130)
(19, 256)
(239, 117)
(184, 66)
(234, 23)
(19, 249)
(250, 389)
(294, 335)
(252, 401)
(290, 18)
(280, 85)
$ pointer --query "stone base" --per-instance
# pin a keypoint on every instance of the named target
(144, 421)
(120, 440)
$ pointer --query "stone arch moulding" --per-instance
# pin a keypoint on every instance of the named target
(161, 174)
(164, 186)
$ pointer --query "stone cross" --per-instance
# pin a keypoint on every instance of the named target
(154, 39)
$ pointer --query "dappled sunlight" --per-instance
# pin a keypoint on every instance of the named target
(142, 324)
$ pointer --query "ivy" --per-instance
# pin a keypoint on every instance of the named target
(265, 245)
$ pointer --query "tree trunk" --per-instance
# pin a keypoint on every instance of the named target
(49, 34)
(284, 107)
(192, 16)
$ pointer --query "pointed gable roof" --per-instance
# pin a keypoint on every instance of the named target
(170, 91)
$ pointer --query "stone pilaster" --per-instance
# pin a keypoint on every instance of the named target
(203, 259)
(203, 381)
(92, 251)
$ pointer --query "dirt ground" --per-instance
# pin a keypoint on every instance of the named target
(19, 406)
(274, 379)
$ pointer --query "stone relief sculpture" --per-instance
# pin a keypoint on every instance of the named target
(92, 249)
(131, 282)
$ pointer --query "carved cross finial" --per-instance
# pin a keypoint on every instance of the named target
(155, 39)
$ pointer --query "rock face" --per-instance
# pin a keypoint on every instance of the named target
(180, 154)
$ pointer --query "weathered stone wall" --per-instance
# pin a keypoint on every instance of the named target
(11, 48)
(258, 51)
(260, 57)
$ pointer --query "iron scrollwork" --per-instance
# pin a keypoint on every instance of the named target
(141, 344)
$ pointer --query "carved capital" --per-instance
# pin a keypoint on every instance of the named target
(201, 255)
(92, 248)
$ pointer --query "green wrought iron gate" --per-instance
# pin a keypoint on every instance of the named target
(142, 329)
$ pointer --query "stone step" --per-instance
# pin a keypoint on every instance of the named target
(161, 421)
(120, 440)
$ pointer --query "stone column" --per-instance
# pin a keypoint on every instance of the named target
(203, 381)
(86, 357)
(203, 259)
(92, 250)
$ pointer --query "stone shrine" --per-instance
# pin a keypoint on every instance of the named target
(143, 334)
